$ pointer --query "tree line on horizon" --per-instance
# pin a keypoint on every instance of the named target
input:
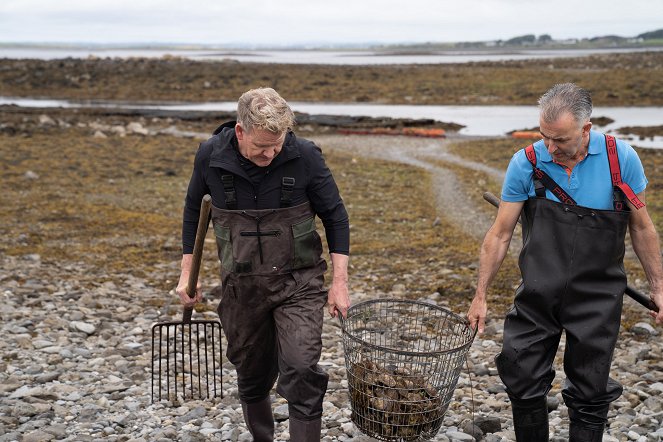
(546, 40)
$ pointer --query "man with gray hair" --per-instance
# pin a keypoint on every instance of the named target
(577, 191)
(267, 186)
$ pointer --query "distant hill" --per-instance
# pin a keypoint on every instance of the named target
(653, 35)
(607, 39)
(518, 42)
(531, 41)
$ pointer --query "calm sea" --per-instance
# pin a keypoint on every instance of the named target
(309, 56)
(478, 120)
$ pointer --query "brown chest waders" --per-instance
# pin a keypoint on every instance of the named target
(573, 282)
(272, 303)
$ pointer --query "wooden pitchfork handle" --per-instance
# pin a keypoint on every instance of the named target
(636, 295)
(203, 221)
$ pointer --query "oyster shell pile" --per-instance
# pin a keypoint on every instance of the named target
(393, 403)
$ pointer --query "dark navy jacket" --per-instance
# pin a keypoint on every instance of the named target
(313, 182)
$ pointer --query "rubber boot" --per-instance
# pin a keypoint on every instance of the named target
(305, 431)
(259, 419)
(530, 420)
(579, 432)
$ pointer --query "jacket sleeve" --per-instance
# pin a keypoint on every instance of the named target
(326, 201)
(197, 189)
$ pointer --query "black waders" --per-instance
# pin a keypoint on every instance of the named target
(573, 282)
(530, 419)
(271, 309)
(259, 420)
(305, 431)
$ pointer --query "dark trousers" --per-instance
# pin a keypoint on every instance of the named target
(573, 282)
(531, 337)
(274, 329)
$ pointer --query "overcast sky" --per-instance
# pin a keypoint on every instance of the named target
(283, 22)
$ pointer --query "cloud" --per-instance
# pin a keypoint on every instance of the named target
(301, 21)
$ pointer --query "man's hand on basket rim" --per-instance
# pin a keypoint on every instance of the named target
(477, 313)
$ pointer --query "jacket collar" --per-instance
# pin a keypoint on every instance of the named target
(224, 149)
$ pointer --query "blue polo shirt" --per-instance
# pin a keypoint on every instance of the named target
(589, 184)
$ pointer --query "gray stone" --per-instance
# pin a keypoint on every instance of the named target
(10, 437)
(84, 327)
(59, 431)
(459, 436)
(137, 128)
(488, 424)
(496, 388)
(644, 328)
(196, 413)
(281, 413)
(28, 391)
(47, 377)
(654, 403)
(38, 436)
(493, 438)
(469, 427)
(30, 175)
(553, 403)
(481, 370)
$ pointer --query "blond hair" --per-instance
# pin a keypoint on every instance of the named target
(264, 108)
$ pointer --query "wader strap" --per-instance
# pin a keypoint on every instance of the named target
(287, 184)
(616, 175)
(539, 188)
(287, 187)
(542, 181)
(229, 191)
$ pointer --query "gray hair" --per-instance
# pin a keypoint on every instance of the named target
(264, 108)
(566, 97)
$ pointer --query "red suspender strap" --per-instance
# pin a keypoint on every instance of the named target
(546, 181)
(616, 175)
(531, 155)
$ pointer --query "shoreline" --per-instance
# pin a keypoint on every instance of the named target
(642, 136)
(476, 83)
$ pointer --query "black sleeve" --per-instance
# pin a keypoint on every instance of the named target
(326, 201)
(194, 195)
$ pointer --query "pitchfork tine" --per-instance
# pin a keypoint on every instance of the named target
(173, 333)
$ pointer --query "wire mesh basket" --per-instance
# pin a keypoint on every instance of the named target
(403, 360)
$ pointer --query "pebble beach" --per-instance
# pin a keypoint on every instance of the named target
(76, 353)
(90, 253)
(76, 367)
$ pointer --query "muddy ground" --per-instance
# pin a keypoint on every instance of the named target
(106, 191)
(78, 188)
(114, 192)
(114, 195)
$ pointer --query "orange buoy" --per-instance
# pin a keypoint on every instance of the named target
(525, 134)
(421, 132)
(407, 131)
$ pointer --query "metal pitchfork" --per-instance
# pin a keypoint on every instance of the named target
(187, 354)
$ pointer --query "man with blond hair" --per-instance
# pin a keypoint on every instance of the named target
(577, 191)
(267, 186)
